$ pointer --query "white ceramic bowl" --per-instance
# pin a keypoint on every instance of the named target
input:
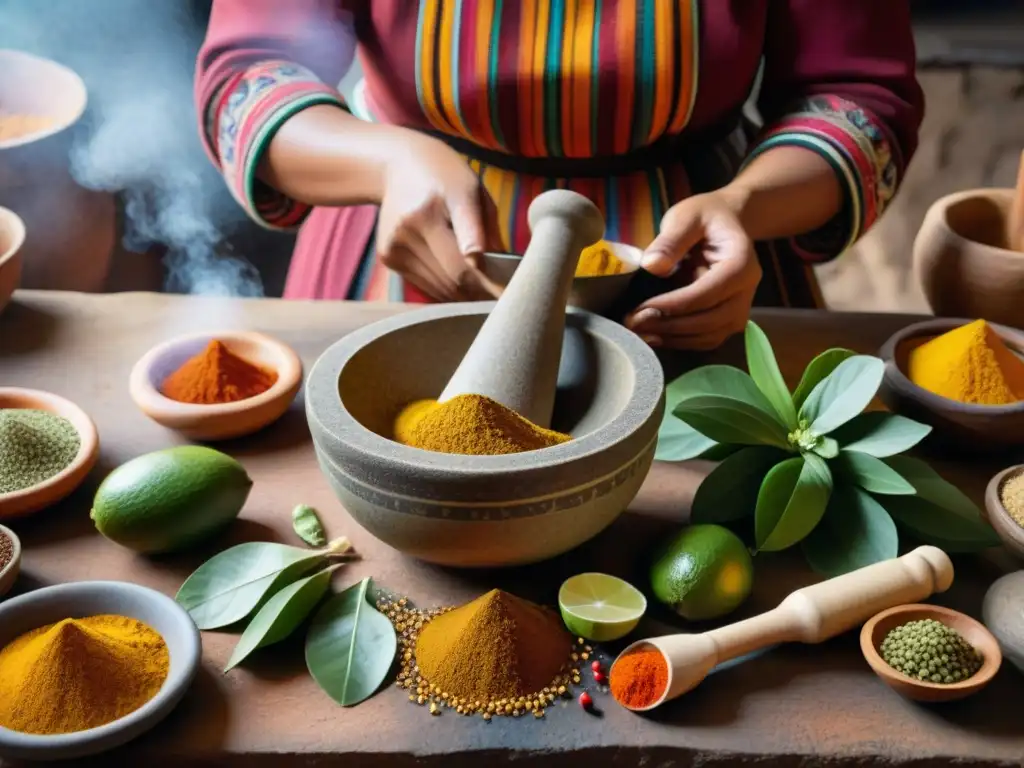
(32, 85)
(94, 598)
(12, 238)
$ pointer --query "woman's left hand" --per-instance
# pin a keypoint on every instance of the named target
(704, 235)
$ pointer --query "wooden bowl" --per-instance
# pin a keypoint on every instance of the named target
(50, 491)
(998, 517)
(874, 631)
(220, 421)
(9, 573)
(12, 237)
(958, 427)
(594, 294)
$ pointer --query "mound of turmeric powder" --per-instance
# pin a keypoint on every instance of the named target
(598, 260)
(470, 424)
(970, 364)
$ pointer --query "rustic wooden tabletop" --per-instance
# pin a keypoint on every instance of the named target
(792, 705)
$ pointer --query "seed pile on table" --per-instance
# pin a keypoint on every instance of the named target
(6, 550)
(929, 651)
(34, 446)
(497, 656)
(1012, 496)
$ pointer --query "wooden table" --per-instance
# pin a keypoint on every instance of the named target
(792, 705)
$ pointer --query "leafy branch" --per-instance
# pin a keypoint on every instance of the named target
(811, 466)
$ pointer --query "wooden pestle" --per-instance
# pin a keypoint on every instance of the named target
(809, 615)
(514, 358)
(1015, 219)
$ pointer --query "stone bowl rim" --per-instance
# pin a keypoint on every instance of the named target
(392, 456)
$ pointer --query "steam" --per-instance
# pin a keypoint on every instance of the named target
(140, 138)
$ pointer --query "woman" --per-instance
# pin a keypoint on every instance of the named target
(473, 107)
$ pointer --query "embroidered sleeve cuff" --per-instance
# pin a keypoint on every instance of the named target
(241, 120)
(861, 152)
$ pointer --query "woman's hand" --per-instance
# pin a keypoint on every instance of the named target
(702, 235)
(435, 220)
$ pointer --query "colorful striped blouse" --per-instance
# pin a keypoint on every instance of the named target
(634, 103)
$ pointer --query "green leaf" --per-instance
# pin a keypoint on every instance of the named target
(764, 370)
(871, 474)
(307, 526)
(817, 371)
(719, 452)
(678, 441)
(880, 434)
(855, 531)
(350, 646)
(791, 501)
(726, 420)
(724, 380)
(281, 615)
(827, 448)
(232, 584)
(730, 491)
(843, 394)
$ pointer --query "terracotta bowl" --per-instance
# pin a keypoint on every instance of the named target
(12, 237)
(9, 573)
(874, 631)
(50, 491)
(595, 294)
(958, 427)
(962, 260)
(998, 517)
(479, 511)
(221, 421)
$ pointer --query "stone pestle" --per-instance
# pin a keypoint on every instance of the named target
(515, 356)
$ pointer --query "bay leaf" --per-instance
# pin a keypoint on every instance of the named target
(764, 370)
(842, 394)
(730, 491)
(350, 646)
(871, 474)
(307, 526)
(856, 531)
(791, 502)
(817, 371)
(880, 434)
(728, 420)
(232, 584)
(281, 615)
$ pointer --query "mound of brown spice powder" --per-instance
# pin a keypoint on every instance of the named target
(498, 655)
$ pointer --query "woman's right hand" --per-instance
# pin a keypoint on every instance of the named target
(435, 221)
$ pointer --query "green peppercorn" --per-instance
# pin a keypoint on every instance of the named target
(929, 651)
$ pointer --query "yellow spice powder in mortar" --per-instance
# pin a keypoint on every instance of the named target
(598, 260)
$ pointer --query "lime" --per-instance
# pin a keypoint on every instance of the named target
(599, 607)
(169, 500)
(703, 573)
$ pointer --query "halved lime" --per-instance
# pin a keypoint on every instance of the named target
(599, 607)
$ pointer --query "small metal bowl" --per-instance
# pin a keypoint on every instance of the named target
(974, 632)
(224, 420)
(998, 517)
(9, 573)
(48, 492)
(96, 598)
(958, 427)
(594, 294)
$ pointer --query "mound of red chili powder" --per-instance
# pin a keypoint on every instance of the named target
(639, 678)
(217, 375)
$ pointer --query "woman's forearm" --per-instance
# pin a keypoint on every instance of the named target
(785, 191)
(325, 156)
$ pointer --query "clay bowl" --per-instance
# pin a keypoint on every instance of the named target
(9, 573)
(874, 631)
(481, 511)
(958, 427)
(595, 294)
(32, 85)
(50, 491)
(94, 598)
(963, 262)
(220, 421)
(998, 517)
(12, 237)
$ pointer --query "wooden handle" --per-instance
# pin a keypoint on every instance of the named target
(1015, 219)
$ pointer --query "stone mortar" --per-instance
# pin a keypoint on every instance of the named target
(483, 511)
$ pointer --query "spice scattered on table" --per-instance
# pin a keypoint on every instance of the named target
(639, 678)
(970, 364)
(6, 550)
(598, 260)
(15, 126)
(586, 700)
(929, 651)
(470, 424)
(35, 446)
(1012, 495)
(217, 375)
(79, 674)
(498, 656)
